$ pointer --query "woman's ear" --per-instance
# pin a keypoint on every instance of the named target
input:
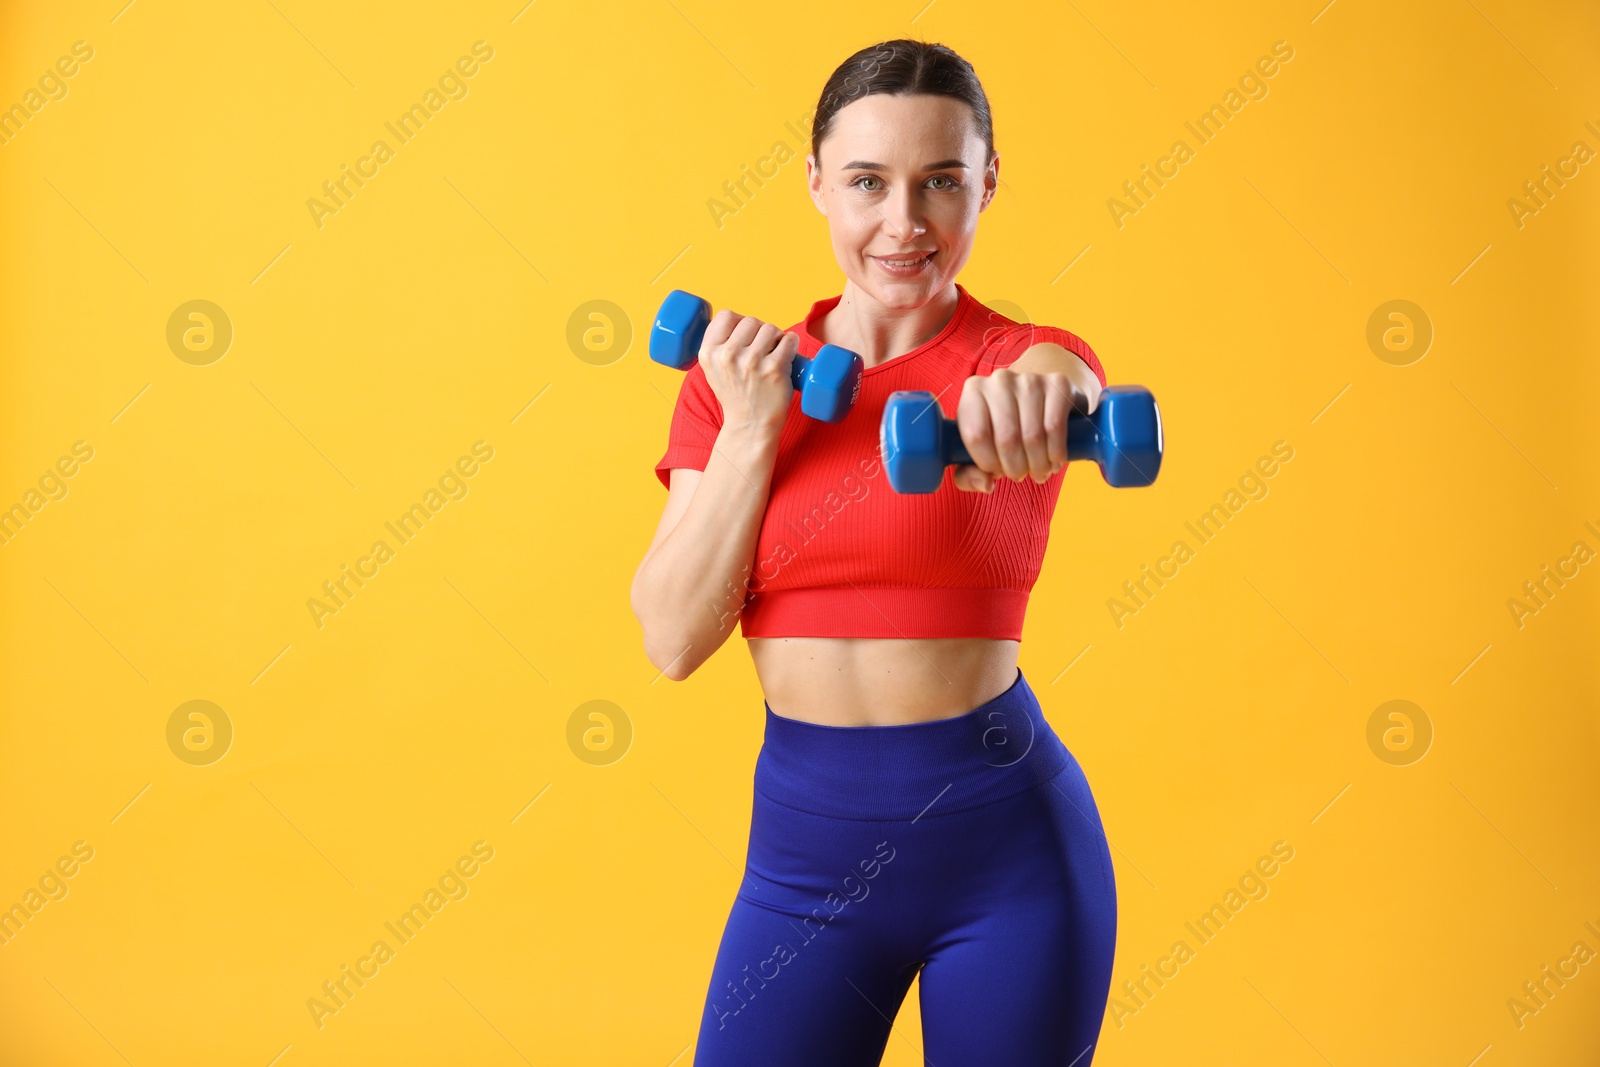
(814, 183)
(991, 180)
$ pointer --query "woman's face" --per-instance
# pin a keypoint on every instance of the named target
(902, 178)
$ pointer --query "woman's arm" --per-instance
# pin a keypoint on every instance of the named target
(689, 589)
(691, 585)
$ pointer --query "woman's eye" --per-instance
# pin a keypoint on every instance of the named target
(950, 183)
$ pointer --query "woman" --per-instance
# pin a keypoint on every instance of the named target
(913, 811)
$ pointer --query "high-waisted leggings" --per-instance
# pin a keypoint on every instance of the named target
(968, 850)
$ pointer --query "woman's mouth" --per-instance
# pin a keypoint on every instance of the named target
(903, 266)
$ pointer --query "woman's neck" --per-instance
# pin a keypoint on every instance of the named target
(877, 333)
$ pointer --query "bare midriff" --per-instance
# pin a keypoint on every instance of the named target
(855, 681)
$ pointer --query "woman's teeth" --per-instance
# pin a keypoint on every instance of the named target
(905, 264)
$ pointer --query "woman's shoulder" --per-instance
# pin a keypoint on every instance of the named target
(1001, 333)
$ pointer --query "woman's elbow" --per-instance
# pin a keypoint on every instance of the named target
(671, 655)
(665, 646)
(675, 642)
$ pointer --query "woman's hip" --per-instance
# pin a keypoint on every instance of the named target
(921, 815)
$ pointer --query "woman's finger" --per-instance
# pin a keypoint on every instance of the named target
(1058, 406)
(972, 419)
(1000, 392)
(784, 351)
(1030, 391)
(717, 331)
(968, 478)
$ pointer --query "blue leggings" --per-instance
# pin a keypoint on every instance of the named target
(969, 849)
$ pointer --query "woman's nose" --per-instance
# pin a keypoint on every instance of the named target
(902, 216)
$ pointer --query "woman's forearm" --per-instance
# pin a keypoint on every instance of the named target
(689, 590)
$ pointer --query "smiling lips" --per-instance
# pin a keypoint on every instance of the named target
(905, 265)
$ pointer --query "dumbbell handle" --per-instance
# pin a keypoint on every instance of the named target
(798, 368)
(1083, 439)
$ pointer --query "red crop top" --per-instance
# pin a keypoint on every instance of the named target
(840, 553)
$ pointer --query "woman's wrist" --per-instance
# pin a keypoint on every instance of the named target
(751, 433)
(749, 444)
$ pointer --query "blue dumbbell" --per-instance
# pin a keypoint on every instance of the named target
(828, 383)
(1123, 436)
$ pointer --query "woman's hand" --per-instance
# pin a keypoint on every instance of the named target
(1015, 425)
(746, 362)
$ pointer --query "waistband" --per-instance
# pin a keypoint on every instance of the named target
(911, 771)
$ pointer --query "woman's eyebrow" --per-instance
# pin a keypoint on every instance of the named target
(860, 164)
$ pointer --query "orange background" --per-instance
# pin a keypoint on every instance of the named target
(445, 304)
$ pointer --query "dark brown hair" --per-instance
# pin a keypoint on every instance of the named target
(902, 68)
